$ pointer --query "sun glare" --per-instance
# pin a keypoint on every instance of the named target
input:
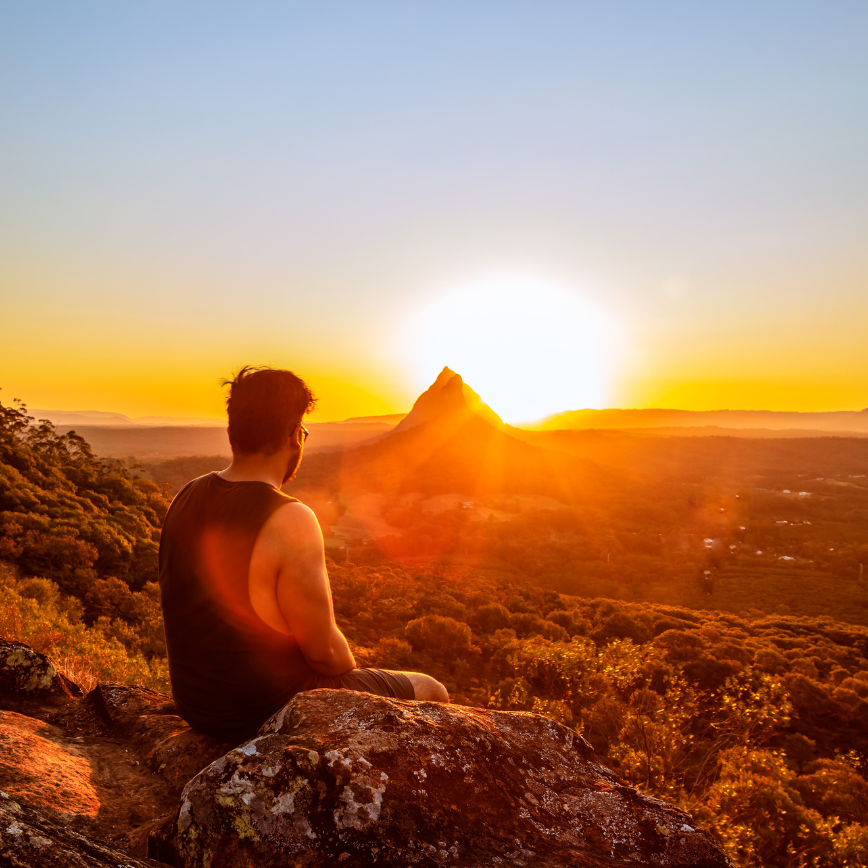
(529, 347)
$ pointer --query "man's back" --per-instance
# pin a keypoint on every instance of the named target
(229, 669)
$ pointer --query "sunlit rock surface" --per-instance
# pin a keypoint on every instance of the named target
(150, 727)
(84, 781)
(348, 779)
(35, 765)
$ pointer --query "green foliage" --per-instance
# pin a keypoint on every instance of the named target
(753, 724)
(436, 634)
(392, 653)
(69, 516)
(722, 701)
(34, 611)
(177, 472)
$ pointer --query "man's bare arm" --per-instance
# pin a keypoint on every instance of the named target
(292, 544)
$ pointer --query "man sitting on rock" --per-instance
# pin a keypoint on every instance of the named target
(244, 587)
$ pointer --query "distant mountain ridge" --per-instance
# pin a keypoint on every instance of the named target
(101, 417)
(449, 394)
(842, 420)
(156, 442)
(93, 418)
(388, 418)
(449, 405)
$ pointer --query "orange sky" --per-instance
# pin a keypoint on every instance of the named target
(152, 359)
(180, 200)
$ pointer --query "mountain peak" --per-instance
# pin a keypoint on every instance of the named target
(448, 397)
(445, 376)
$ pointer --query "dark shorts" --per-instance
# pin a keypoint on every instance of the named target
(381, 682)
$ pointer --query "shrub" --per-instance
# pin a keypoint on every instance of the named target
(491, 617)
(434, 633)
(392, 653)
(84, 654)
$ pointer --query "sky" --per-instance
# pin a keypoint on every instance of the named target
(670, 198)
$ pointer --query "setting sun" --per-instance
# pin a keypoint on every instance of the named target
(530, 346)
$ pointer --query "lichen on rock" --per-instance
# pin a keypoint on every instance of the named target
(26, 675)
(28, 837)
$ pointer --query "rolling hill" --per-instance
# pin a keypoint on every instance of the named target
(846, 423)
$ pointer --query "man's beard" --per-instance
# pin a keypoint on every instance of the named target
(291, 467)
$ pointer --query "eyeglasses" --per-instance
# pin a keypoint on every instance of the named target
(305, 433)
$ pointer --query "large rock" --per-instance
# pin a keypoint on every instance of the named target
(354, 780)
(110, 767)
(28, 676)
(37, 767)
(30, 839)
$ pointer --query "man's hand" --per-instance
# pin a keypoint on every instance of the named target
(290, 591)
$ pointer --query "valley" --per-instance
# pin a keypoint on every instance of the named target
(695, 607)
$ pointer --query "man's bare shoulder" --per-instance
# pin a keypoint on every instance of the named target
(293, 523)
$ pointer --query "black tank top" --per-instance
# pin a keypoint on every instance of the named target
(230, 671)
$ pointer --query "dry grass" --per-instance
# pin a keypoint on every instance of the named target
(83, 654)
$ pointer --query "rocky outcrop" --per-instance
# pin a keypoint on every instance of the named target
(31, 839)
(341, 778)
(97, 774)
(333, 779)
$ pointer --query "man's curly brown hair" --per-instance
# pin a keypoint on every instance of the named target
(264, 406)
